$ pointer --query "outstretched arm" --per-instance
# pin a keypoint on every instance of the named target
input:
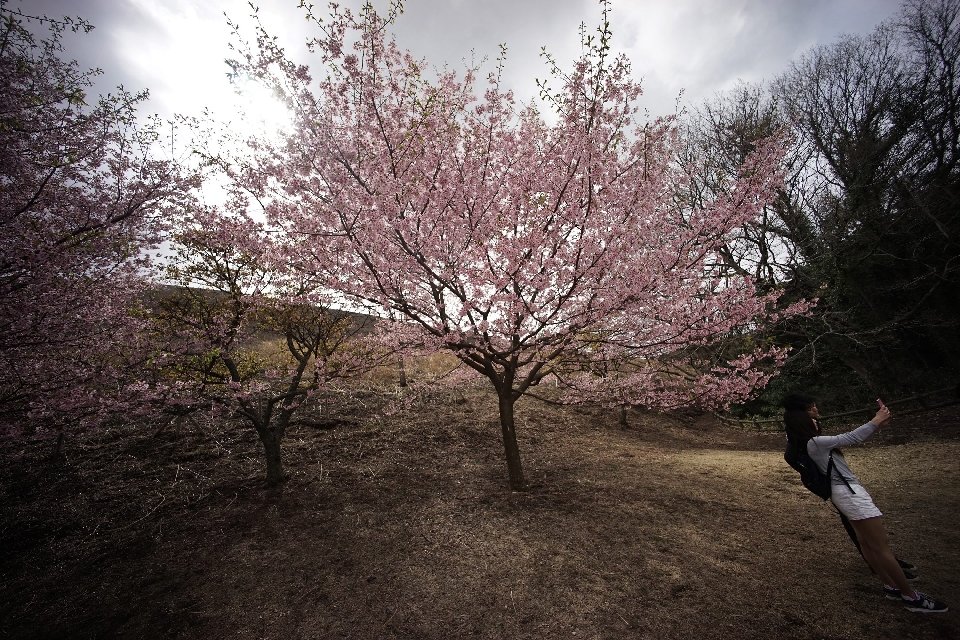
(858, 435)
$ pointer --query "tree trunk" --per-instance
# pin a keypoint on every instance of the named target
(57, 456)
(623, 417)
(860, 369)
(271, 448)
(403, 373)
(510, 447)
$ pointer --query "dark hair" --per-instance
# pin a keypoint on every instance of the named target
(798, 402)
(799, 425)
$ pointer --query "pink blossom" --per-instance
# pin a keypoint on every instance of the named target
(528, 246)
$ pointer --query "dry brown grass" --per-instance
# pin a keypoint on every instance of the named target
(401, 526)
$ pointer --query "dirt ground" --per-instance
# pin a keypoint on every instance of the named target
(400, 525)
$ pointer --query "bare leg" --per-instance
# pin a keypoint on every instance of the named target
(876, 551)
(853, 538)
(850, 532)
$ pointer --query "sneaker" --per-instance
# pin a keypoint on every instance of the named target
(923, 604)
(912, 576)
(906, 566)
(891, 593)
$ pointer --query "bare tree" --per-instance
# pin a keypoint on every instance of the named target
(867, 218)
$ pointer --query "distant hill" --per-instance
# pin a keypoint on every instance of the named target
(159, 293)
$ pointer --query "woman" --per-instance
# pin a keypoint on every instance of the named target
(799, 404)
(851, 498)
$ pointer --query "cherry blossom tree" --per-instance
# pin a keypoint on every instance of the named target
(82, 198)
(527, 241)
(243, 335)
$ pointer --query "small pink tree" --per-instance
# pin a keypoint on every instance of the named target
(244, 336)
(82, 197)
(511, 237)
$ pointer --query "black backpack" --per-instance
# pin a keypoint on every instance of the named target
(810, 475)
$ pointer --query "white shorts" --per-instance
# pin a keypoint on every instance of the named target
(856, 506)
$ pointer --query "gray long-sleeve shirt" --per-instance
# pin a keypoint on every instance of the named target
(819, 448)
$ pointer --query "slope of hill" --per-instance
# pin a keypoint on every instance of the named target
(398, 524)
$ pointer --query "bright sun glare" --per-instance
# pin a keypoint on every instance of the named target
(258, 107)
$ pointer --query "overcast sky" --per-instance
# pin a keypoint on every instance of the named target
(176, 48)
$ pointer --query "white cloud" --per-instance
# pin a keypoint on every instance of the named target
(176, 47)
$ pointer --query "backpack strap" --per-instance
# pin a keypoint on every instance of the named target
(831, 467)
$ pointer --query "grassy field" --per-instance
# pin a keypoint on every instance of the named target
(401, 526)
